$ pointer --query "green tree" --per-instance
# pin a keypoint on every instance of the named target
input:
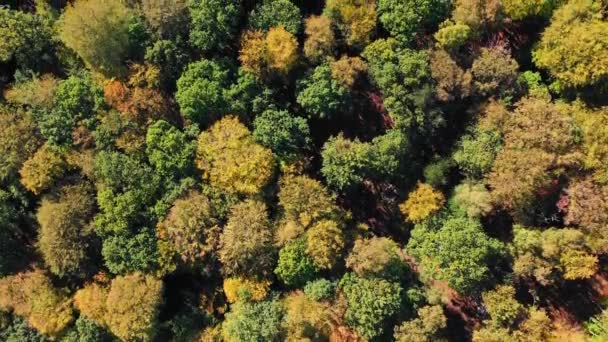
(124, 253)
(502, 306)
(246, 242)
(171, 57)
(372, 304)
(254, 321)
(87, 330)
(213, 23)
(275, 13)
(452, 35)
(521, 9)
(295, 267)
(345, 162)
(169, 150)
(320, 289)
(98, 33)
(427, 327)
(459, 253)
(320, 95)
(65, 230)
(231, 159)
(404, 19)
(18, 142)
(403, 76)
(27, 37)
(76, 101)
(573, 48)
(288, 136)
(133, 305)
(476, 152)
(200, 91)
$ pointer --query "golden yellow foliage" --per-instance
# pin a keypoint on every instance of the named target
(320, 39)
(578, 264)
(253, 51)
(422, 202)
(281, 49)
(231, 160)
(91, 302)
(33, 296)
(306, 319)
(42, 169)
(355, 18)
(325, 243)
(237, 288)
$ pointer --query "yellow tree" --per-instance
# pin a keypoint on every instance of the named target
(281, 50)
(231, 160)
(422, 202)
(42, 169)
(320, 39)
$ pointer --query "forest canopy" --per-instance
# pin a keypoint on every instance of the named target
(288, 170)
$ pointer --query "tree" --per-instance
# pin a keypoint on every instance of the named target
(191, 229)
(586, 208)
(33, 296)
(452, 81)
(476, 152)
(427, 327)
(372, 304)
(471, 199)
(494, 72)
(305, 318)
(552, 254)
(376, 257)
(166, 19)
(478, 14)
(281, 50)
(502, 306)
(246, 242)
(276, 13)
(132, 306)
(282, 132)
(243, 289)
(98, 33)
(18, 143)
(521, 9)
(231, 160)
(252, 54)
(168, 150)
(65, 230)
(320, 289)
(408, 103)
(213, 23)
(200, 91)
(539, 144)
(130, 252)
(87, 330)
(404, 19)
(347, 70)
(75, 102)
(91, 302)
(594, 126)
(356, 20)
(26, 37)
(253, 321)
(345, 162)
(452, 35)
(320, 95)
(320, 40)
(573, 48)
(459, 253)
(304, 202)
(40, 171)
(295, 267)
(422, 202)
(325, 244)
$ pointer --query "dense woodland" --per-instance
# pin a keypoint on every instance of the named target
(304, 170)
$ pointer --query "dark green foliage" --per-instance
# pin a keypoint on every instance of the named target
(403, 76)
(129, 253)
(404, 19)
(213, 23)
(320, 289)
(459, 253)
(372, 304)
(248, 97)
(436, 173)
(85, 330)
(320, 95)
(170, 56)
(254, 321)
(76, 100)
(168, 150)
(274, 13)
(200, 91)
(285, 134)
(295, 268)
(19, 331)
